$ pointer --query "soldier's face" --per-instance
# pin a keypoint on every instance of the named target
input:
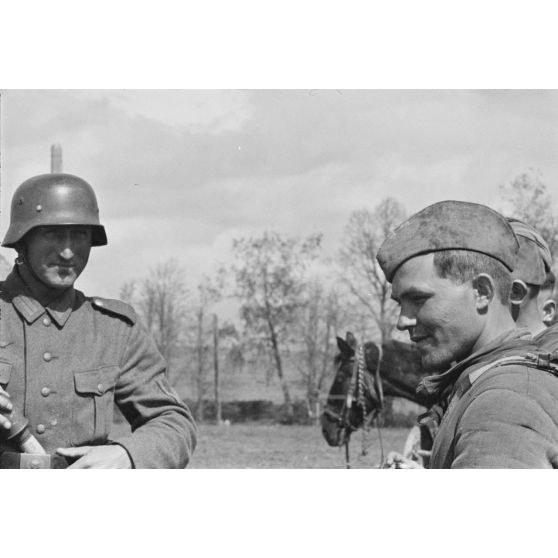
(58, 254)
(439, 314)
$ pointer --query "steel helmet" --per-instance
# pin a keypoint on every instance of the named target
(54, 199)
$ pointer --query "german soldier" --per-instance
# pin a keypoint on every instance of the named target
(66, 358)
(491, 407)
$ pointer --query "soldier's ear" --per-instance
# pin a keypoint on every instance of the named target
(485, 291)
(519, 292)
(549, 312)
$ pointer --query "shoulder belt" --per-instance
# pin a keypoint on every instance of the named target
(541, 361)
(115, 308)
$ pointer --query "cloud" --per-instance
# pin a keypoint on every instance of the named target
(179, 172)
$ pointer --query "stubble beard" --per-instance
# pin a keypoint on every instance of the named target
(436, 361)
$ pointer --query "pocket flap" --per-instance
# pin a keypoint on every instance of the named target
(5, 372)
(95, 382)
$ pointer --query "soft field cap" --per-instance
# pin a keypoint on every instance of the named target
(533, 259)
(449, 225)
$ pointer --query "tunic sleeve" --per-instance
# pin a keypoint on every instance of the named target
(163, 430)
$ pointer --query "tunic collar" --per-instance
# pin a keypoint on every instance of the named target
(436, 387)
(30, 309)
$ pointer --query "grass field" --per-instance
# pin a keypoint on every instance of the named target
(259, 446)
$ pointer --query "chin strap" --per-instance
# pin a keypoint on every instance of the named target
(21, 261)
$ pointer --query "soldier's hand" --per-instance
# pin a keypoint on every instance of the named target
(397, 461)
(97, 457)
(6, 408)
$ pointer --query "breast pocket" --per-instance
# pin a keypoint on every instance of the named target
(92, 406)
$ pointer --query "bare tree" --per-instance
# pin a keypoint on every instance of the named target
(5, 268)
(128, 292)
(527, 198)
(269, 273)
(361, 273)
(160, 299)
(319, 320)
(208, 293)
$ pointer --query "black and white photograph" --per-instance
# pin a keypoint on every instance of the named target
(258, 259)
(253, 282)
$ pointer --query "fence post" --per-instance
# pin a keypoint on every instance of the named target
(216, 369)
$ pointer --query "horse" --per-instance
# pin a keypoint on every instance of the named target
(393, 369)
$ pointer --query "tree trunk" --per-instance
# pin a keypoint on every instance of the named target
(216, 369)
(276, 354)
(279, 367)
(313, 399)
(199, 374)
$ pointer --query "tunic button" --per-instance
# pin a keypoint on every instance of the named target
(35, 464)
(46, 321)
(41, 428)
(47, 356)
(53, 422)
(45, 392)
(101, 388)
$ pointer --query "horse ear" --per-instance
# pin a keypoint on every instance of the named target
(351, 339)
(345, 348)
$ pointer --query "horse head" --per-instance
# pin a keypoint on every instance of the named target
(356, 395)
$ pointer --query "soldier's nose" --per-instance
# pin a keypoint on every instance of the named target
(405, 322)
(67, 253)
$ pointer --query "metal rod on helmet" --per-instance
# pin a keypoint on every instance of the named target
(55, 158)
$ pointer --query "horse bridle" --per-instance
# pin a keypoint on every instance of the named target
(355, 393)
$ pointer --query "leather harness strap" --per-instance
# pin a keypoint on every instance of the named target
(541, 361)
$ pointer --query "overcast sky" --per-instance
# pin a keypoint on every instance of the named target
(181, 173)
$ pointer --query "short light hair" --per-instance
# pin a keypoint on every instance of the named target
(549, 282)
(464, 265)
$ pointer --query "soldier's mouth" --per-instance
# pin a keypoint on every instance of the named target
(418, 340)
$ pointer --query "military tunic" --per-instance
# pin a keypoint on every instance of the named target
(547, 340)
(495, 417)
(66, 365)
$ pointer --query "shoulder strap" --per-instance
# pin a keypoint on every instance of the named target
(114, 307)
(541, 361)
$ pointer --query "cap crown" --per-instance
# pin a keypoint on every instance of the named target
(449, 225)
(534, 259)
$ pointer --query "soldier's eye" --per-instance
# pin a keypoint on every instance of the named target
(419, 298)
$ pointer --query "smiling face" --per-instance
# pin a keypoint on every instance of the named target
(58, 254)
(441, 316)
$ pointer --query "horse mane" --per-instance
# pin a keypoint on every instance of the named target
(400, 368)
